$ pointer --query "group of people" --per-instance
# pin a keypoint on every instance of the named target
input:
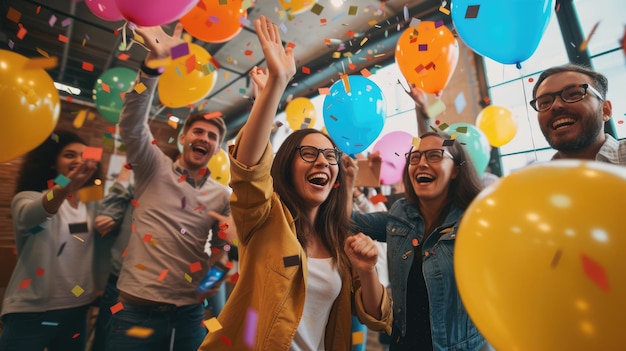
(307, 260)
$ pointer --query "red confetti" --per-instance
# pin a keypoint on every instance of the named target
(595, 272)
(162, 275)
(182, 178)
(224, 226)
(116, 308)
(134, 203)
(63, 38)
(124, 252)
(226, 341)
(128, 166)
(25, 283)
(195, 267)
(40, 272)
(198, 208)
(154, 142)
(87, 66)
(147, 238)
(76, 335)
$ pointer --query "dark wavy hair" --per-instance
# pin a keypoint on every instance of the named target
(39, 164)
(463, 189)
(332, 219)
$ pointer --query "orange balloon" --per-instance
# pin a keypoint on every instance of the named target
(297, 6)
(427, 56)
(30, 105)
(498, 124)
(213, 22)
(300, 113)
(539, 258)
(187, 79)
(219, 165)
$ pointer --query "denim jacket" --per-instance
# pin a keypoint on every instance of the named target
(451, 326)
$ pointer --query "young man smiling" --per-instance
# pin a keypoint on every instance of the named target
(165, 260)
(571, 107)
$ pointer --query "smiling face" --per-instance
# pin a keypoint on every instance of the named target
(431, 181)
(572, 127)
(69, 158)
(199, 145)
(313, 181)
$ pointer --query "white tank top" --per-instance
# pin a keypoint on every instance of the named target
(322, 288)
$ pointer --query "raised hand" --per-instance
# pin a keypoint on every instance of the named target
(351, 168)
(158, 42)
(81, 174)
(227, 226)
(259, 77)
(419, 96)
(280, 61)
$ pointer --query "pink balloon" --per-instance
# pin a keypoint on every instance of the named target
(154, 12)
(392, 147)
(105, 9)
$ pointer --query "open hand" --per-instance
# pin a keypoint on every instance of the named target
(280, 61)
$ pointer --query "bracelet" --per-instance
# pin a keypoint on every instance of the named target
(149, 71)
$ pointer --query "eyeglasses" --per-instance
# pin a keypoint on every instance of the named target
(432, 156)
(571, 94)
(310, 154)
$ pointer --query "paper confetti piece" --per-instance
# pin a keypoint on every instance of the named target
(66, 22)
(365, 72)
(25, 283)
(346, 82)
(77, 291)
(179, 50)
(323, 91)
(116, 308)
(62, 180)
(49, 195)
(14, 15)
(51, 324)
(461, 129)
(79, 120)
(435, 109)
(444, 10)
(317, 9)
(188, 278)
(140, 266)
(212, 115)
(352, 10)
(290, 261)
(212, 325)
(226, 341)
(139, 332)
(163, 274)
(306, 70)
(195, 267)
(378, 198)
(147, 238)
(416, 142)
(252, 318)
(472, 11)
(92, 153)
(21, 33)
(40, 272)
(140, 88)
(357, 338)
(595, 272)
(583, 45)
(87, 66)
(77, 228)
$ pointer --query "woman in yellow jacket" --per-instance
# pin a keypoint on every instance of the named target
(302, 275)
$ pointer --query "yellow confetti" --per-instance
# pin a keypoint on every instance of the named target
(416, 142)
(173, 122)
(212, 325)
(140, 266)
(372, 23)
(336, 54)
(43, 53)
(188, 278)
(139, 332)
(436, 108)
(77, 291)
(140, 88)
(357, 338)
(444, 10)
(50, 195)
(80, 119)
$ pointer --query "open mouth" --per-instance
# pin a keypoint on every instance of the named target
(319, 179)
(563, 122)
(424, 178)
(199, 149)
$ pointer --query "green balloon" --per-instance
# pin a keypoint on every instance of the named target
(108, 89)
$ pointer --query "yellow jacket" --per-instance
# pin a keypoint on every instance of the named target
(264, 310)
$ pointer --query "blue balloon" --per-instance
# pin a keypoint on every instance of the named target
(507, 31)
(475, 142)
(354, 116)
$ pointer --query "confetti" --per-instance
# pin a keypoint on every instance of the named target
(212, 325)
(316, 9)
(357, 338)
(116, 308)
(352, 10)
(195, 267)
(14, 15)
(163, 274)
(595, 272)
(92, 153)
(252, 318)
(472, 11)
(77, 291)
(139, 332)
(290, 261)
(62, 180)
(87, 66)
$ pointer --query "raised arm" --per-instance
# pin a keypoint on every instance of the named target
(281, 67)
(421, 102)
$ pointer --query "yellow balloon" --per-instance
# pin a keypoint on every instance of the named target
(498, 124)
(300, 113)
(187, 79)
(297, 6)
(539, 258)
(30, 105)
(219, 165)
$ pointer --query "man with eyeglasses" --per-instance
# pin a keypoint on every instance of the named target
(572, 109)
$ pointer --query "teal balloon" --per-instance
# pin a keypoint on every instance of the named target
(506, 31)
(354, 116)
(475, 142)
(108, 89)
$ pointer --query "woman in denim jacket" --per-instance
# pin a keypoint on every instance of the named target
(420, 230)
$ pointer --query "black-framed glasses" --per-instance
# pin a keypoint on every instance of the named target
(432, 156)
(310, 154)
(570, 94)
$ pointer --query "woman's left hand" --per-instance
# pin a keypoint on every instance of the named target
(351, 169)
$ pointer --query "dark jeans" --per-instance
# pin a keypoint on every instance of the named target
(168, 325)
(58, 330)
(107, 300)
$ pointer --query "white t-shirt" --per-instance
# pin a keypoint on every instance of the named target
(322, 288)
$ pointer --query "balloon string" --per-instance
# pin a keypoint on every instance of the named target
(532, 138)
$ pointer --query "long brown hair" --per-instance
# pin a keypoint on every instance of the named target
(332, 218)
(463, 189)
